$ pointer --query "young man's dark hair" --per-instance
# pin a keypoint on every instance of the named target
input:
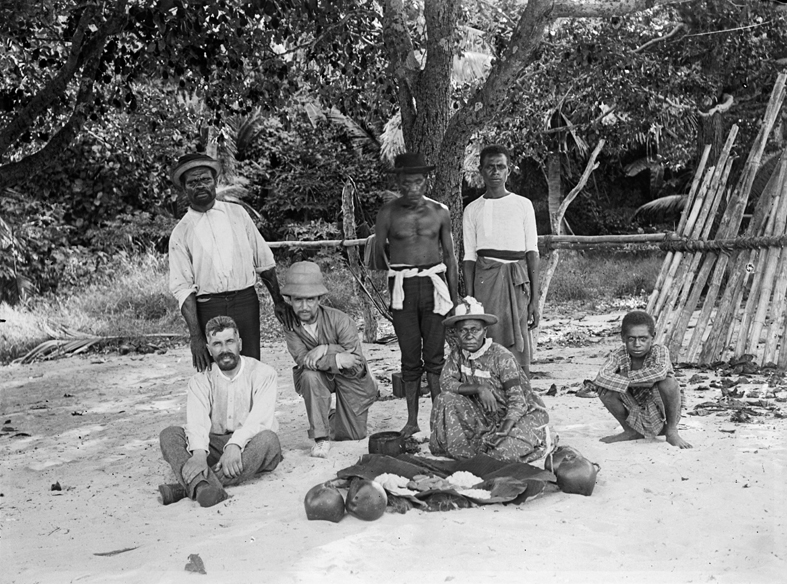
(636, 318)
(493, 150)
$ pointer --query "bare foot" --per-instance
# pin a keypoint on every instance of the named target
(675, 439)
(409, 429)
(622, 437)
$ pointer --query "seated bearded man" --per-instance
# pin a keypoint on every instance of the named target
(486, 405)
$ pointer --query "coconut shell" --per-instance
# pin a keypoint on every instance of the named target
(577, 475)
(366, 500)
(325, 503)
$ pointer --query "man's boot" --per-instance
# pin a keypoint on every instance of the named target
(172, 493)
(433, 379)
(208, 495)
(412, 390)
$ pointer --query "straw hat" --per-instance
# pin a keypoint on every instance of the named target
(470, 309)
(408, 163)
(194, 160)
(304, 279)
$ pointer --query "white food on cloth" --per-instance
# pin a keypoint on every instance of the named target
(464, 479)
(391, 481)
(476, 493)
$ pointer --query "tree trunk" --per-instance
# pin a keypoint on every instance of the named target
(555, 196)
(710, 128)
(354, 261)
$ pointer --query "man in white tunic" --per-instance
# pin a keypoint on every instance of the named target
(329, 360)
(501, 261)
(230, 432)
(215, 254)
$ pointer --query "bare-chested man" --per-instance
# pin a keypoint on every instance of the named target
(418, 231)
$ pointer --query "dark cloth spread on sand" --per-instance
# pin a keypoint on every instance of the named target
(461, 425)
(506, 482)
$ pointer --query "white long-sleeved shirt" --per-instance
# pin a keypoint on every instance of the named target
(244, 405)
(507, 223)
(219, 250)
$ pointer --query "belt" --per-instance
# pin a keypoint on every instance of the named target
(502, 254)
(224, 295)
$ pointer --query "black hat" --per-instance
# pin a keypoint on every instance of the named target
(408, 163)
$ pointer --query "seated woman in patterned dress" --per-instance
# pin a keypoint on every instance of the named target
(486, 405)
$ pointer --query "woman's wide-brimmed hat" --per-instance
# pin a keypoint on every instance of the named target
(409, 163)
(304, 279)
(470, 309)
(194, 160)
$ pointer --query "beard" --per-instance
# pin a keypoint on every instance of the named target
(227, 361)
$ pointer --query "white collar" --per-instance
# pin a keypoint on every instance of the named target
(483, 349)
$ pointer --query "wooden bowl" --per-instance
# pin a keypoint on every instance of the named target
(389, 443)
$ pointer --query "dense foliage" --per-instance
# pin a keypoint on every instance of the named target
(98, 99)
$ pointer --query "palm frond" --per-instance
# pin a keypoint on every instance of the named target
(471, 163)
(662, 208)
(357, 133)
(469, 67)
(641, 165)
(392, 139)
(234, 194)
(69, 342)
(314, 112)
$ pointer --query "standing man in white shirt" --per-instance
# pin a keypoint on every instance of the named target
(501, 262)
(230, 432)
(215, 254)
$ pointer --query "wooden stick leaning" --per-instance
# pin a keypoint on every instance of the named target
(730, 223)
(676, 280)
(692, 263)
(763, 222)
(779, 325)
(682, 230)
(666, 294)
(770, 257)
(778, 305)
(665, 290)
(727, 310)
(710, 195)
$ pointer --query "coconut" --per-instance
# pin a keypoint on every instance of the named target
(325, 503)
(366, 500)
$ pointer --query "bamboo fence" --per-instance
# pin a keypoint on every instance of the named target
(746, 274)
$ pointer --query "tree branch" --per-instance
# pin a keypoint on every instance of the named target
(518, 54)
(589, 124)
(404, 64)
(678, 27)
(589, 168)
(16, 171)
(25, 117)
(604, 8)
(721, 108)
(79, 53)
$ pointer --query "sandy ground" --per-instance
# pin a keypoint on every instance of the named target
(715, 513)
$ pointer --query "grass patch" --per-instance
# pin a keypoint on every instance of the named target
(130, 297)
(589, 276)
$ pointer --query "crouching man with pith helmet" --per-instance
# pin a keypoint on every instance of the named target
(329, 360)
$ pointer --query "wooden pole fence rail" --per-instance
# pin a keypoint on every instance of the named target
(546, 241)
